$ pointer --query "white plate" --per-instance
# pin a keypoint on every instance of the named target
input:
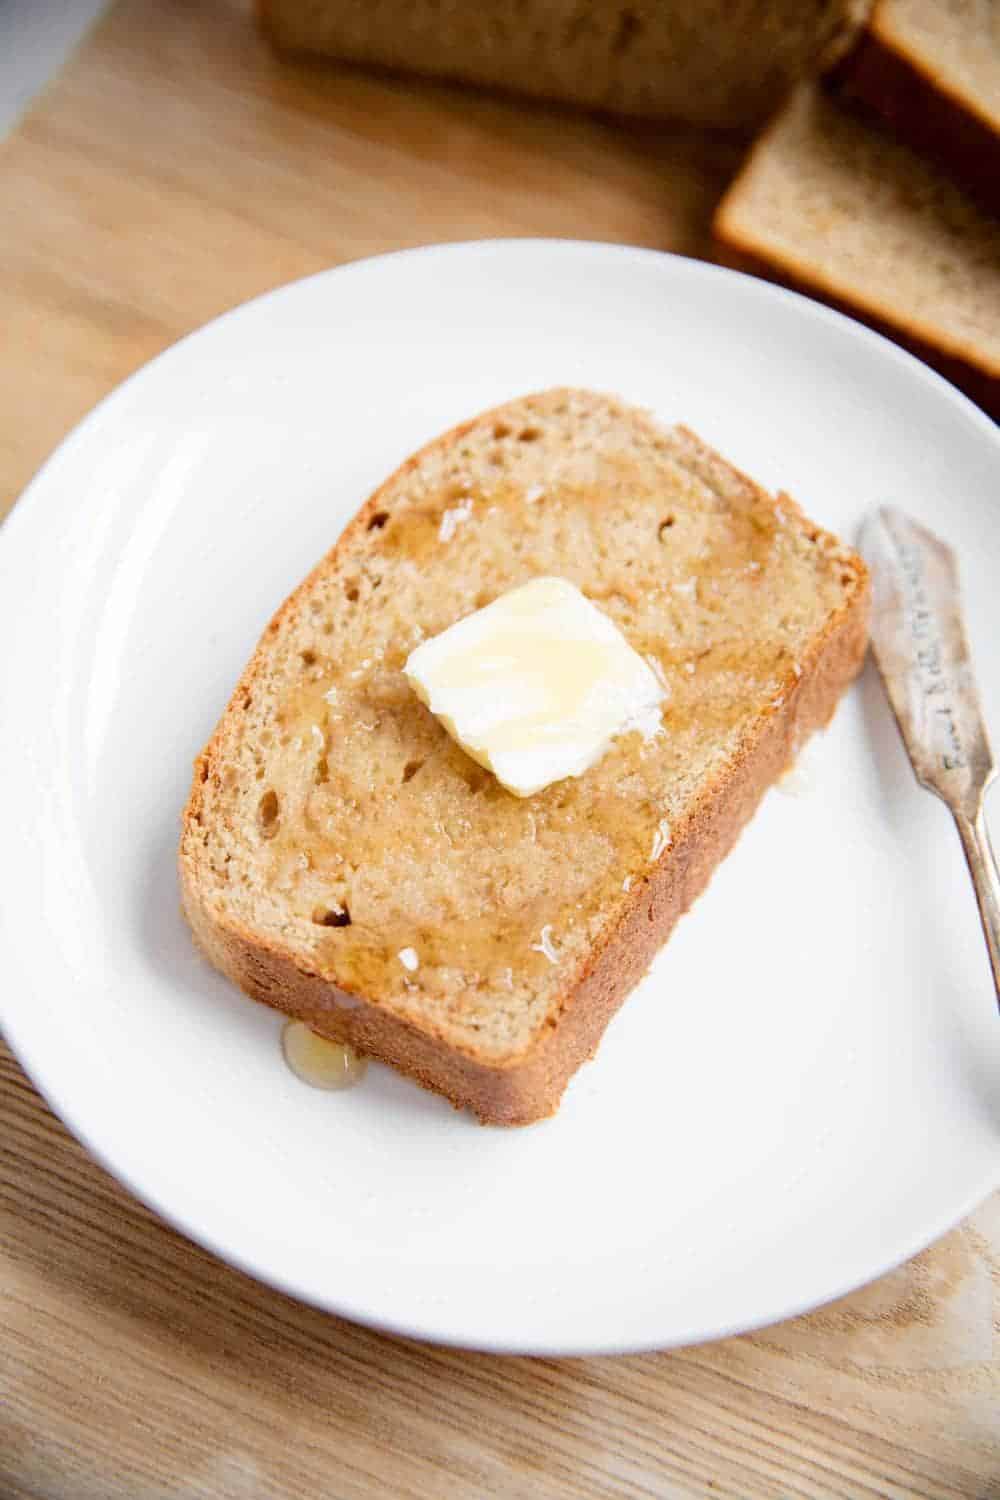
(807, 1087)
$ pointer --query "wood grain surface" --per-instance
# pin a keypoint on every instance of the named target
(176, 169)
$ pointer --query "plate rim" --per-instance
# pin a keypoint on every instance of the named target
(27, 512)
(756, 285)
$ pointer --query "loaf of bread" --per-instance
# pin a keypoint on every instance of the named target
(343, 860)
(931, 71)
(835, 207)
(709, 63)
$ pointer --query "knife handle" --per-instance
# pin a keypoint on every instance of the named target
(983, 869)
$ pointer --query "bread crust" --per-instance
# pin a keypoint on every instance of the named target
(527, 1086)
(981, 385)
(727, 73)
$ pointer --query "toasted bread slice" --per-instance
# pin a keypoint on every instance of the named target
(333, 824)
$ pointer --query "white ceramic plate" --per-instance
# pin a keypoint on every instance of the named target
(804, 1091)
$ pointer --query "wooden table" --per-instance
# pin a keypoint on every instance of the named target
(176, 169)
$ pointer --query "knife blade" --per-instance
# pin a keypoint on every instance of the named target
(919, 644)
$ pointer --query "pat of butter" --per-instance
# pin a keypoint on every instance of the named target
(536, 685)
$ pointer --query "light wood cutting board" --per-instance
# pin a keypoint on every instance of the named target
(175, 170)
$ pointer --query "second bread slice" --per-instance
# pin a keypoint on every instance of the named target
(837, 208)
(343, 860)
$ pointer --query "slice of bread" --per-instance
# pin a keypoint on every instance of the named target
(708, 63)
(333, 824)
(835, 207)
(931, 71)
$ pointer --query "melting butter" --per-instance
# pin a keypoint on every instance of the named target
(536, 685)
(553, 676)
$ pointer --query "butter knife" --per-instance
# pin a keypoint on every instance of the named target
(919, 645)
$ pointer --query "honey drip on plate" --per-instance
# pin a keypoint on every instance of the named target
(321, 1063)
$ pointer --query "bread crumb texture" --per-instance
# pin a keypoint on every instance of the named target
(333, 821)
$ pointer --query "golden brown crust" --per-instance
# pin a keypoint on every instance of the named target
(528, 1086)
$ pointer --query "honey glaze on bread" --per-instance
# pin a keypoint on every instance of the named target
(333, 825)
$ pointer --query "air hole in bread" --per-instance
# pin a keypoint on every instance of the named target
(248, 701)
(529, 434)
(268, 814)
(353, 592)
(501, 430)
(308, 658)
(322, 771)
(378, 520)
(411, 768)
(629, 27)
(475, 777)
(665, 526)
(331, 916)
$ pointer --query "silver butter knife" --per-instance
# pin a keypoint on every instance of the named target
(920, 647)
